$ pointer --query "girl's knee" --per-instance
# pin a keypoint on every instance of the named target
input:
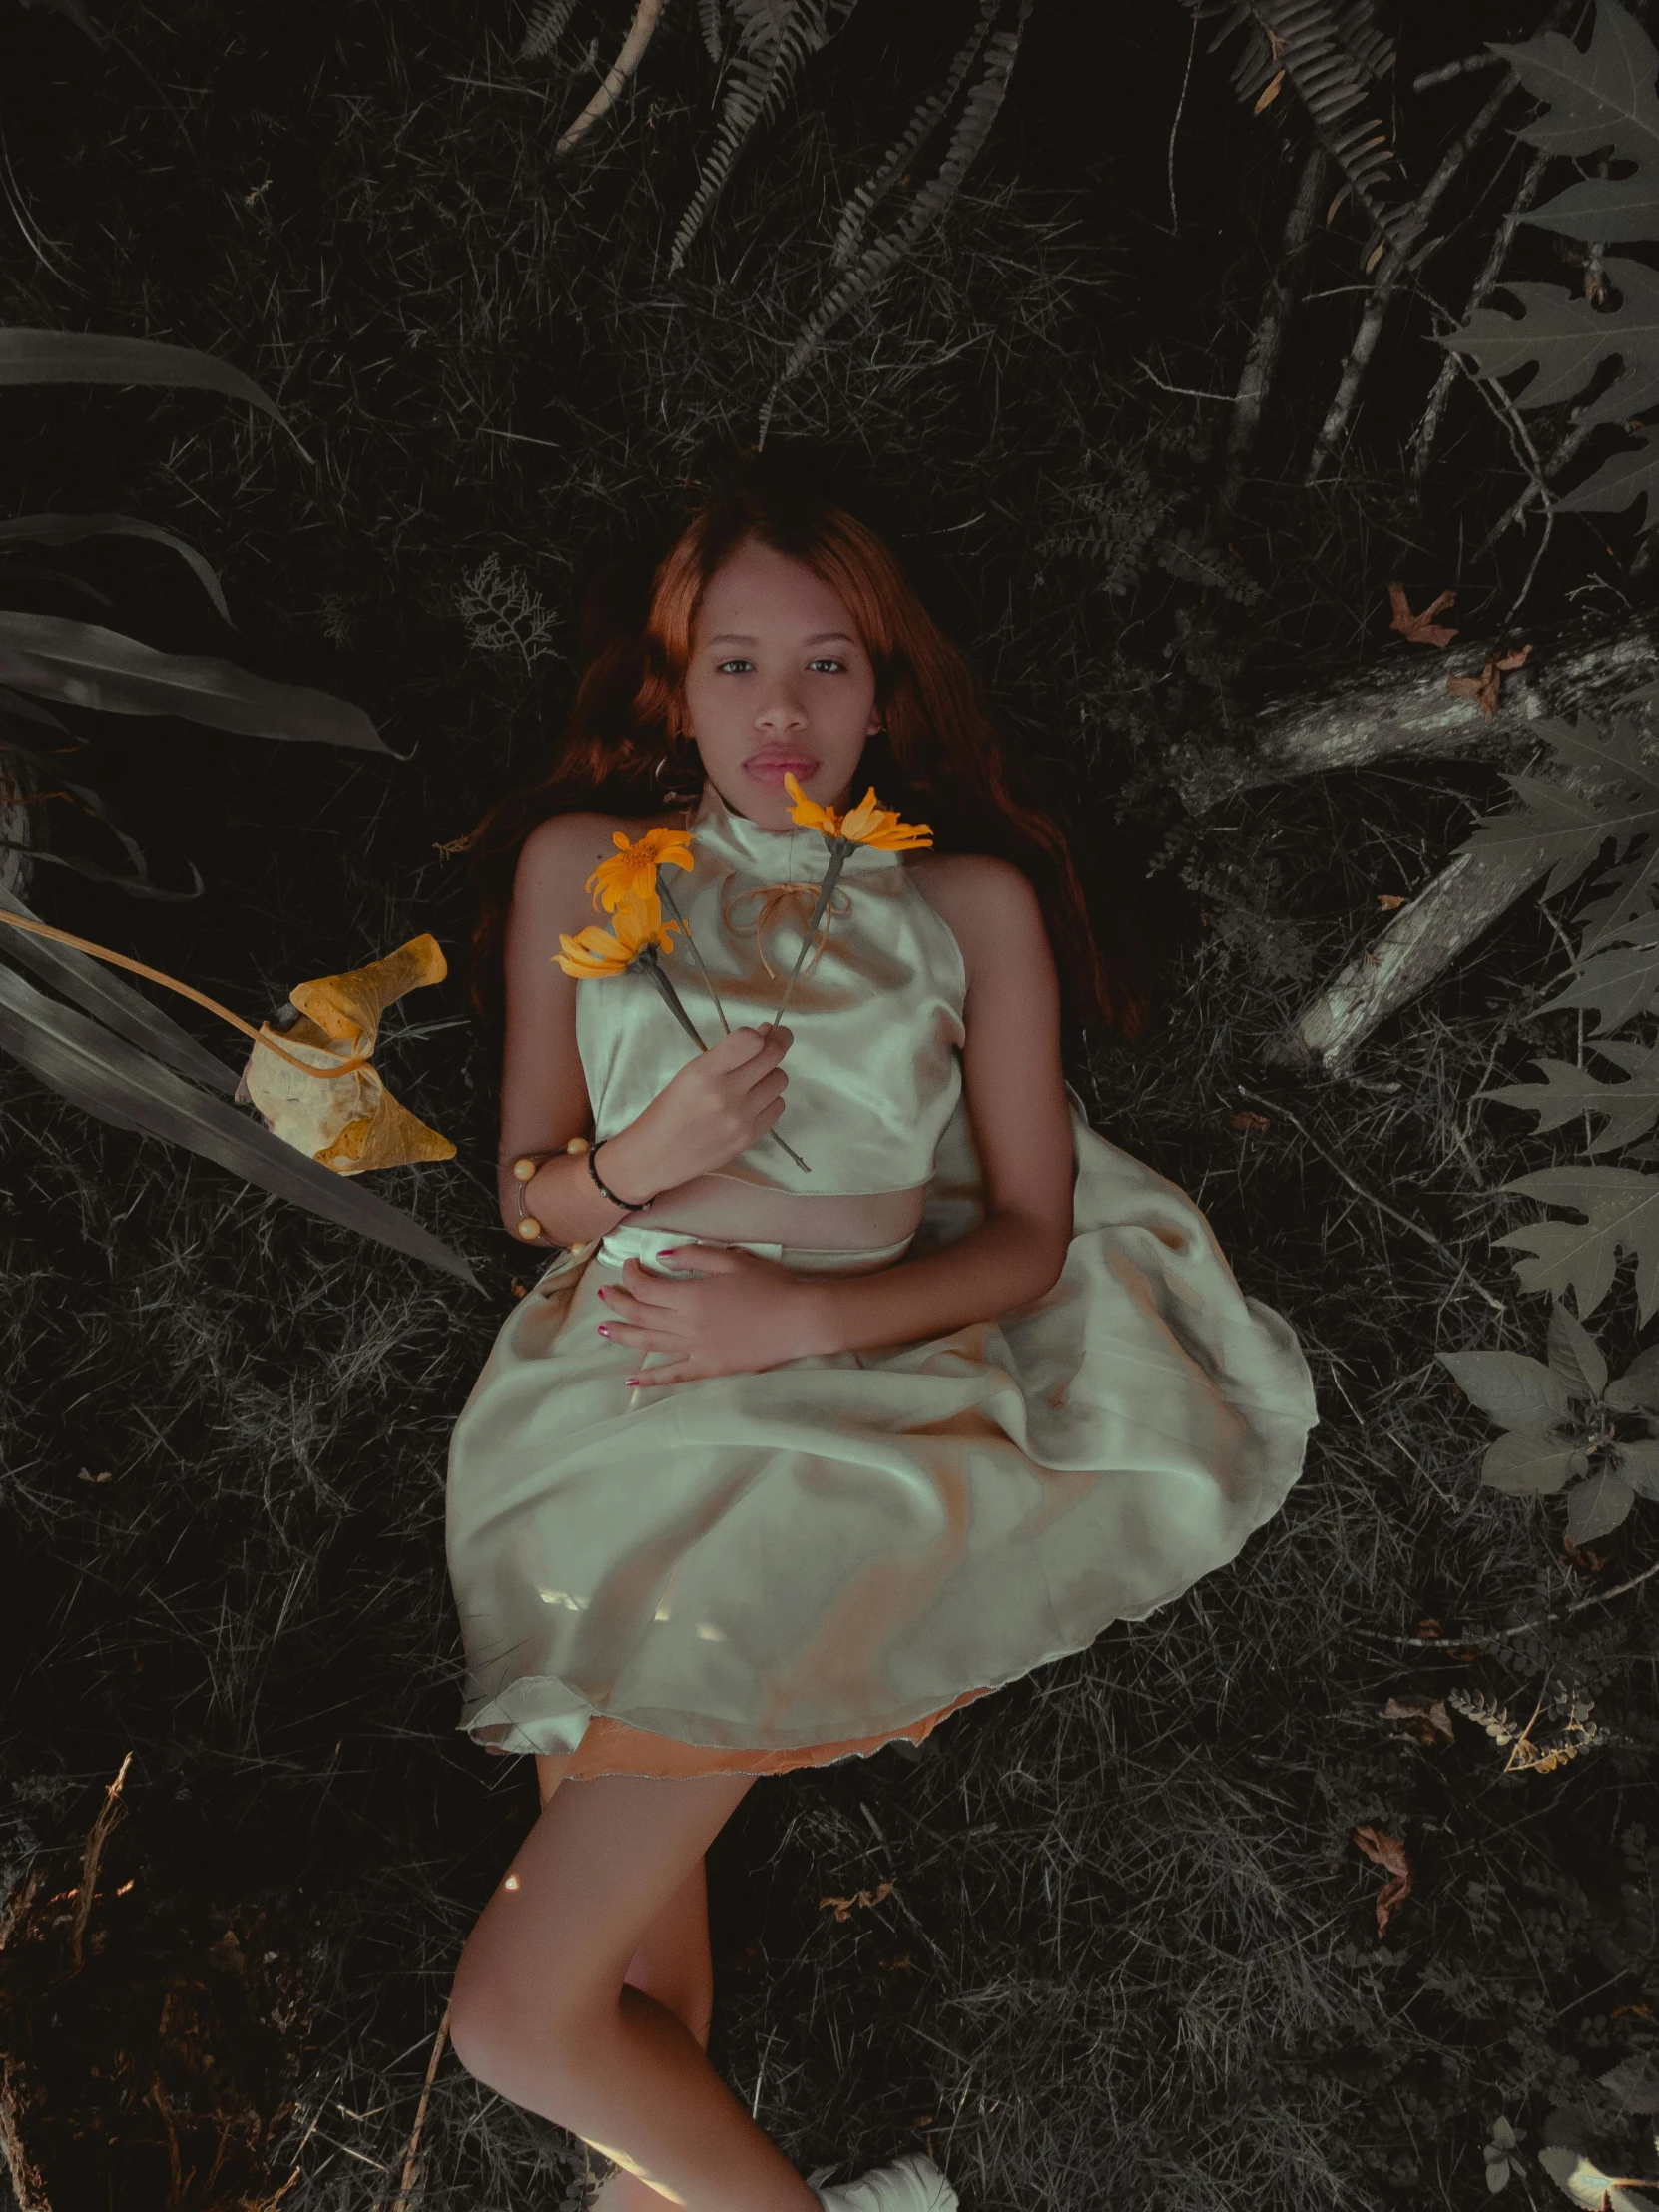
(522, 2039)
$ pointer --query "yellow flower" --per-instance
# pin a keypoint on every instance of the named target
(869, 823)
(639, 928)
(634, 871)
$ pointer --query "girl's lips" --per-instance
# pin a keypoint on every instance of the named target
(771, 768)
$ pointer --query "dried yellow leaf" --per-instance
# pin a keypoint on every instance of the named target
(349, 1123)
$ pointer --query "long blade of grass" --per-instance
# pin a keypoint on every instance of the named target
(105, 1076)
(89, 357)
(138, 884)
(127, 1012)
(67, 529)
(83, 665)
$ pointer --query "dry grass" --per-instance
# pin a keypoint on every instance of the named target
(1130, 1955)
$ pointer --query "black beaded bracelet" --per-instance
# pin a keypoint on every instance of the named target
(628, 1205)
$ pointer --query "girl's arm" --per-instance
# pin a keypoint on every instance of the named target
(747, 1313)
(1017, 1101)
(710, 1111)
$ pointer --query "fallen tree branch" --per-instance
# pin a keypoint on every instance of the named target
(1423, 939)
(1395, 265)
(1428, 429)
(1391, 274)
(617, 76)
(1271, 325)
(1403, 706)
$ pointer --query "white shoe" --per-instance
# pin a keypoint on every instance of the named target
(911, 2184)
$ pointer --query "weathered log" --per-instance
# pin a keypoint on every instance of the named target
(1406, 710)
(1423, 940)
(1403, 706)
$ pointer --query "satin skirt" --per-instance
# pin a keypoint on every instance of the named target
(789, 1567)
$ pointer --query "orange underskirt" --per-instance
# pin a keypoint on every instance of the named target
(616, 1747)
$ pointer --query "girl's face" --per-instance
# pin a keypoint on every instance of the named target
(777, 684)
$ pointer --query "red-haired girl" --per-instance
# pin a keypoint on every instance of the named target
(868, 1377)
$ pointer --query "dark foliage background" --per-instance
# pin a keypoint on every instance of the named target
(1131, 1954)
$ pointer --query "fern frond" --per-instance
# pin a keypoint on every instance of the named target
(545, 29)
(775, 37)
(1496, 1720)
(875, 188)
(1334, 55)
(973, 128)
(714, 33)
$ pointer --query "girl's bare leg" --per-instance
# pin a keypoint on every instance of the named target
(672, 1965)
(543, 2012)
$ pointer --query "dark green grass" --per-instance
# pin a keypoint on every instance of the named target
(1130, 1954)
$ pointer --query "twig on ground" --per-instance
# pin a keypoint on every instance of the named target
(1539, 485)
(1417, 1227)
(1395, 265)
(1428, 429)
(1545, 1620)
(1271, 325)
(96, 1837)
(411, 2156)
(617, 76)
(1427, 78)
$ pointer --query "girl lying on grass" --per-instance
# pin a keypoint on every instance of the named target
(866, 1378)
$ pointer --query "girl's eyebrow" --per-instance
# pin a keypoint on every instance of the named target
(823, 637)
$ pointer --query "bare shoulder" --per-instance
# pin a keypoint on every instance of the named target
(560, 853)
(985, 901)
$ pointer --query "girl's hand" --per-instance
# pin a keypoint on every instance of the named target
(747, 1313)
(715, 1107)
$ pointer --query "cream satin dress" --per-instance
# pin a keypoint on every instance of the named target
(763, 1571)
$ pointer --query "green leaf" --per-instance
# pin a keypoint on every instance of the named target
(1575, 1357)
(1517, 1391)
(1620, 479)
(1638, 1386)
(1621, 1210)
(1597, 1505)
(1634, 2082)
(1620, 981)
(98, 988)
(108, 1077)
(1566, 340)
(66, 529)
(1601, 99)
(1523, 1464)
(85, 358)
(1569, 1091)
(83, 665)
(1613, 795)
(1638, 1462)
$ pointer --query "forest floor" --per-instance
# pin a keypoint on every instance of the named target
(1128, 1948)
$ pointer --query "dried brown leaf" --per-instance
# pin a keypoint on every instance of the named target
(1388, 1853)
(1421, 629)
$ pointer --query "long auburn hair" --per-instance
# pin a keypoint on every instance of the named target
(939, 758)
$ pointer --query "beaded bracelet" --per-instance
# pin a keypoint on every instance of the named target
(628, 1205)
(524, 1170)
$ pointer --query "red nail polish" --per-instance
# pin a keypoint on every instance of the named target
(603, 1330)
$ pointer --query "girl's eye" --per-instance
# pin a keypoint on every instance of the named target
(824, 659)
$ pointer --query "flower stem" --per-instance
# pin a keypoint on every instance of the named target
(667, 899)
(840, 847)
(649, 961)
